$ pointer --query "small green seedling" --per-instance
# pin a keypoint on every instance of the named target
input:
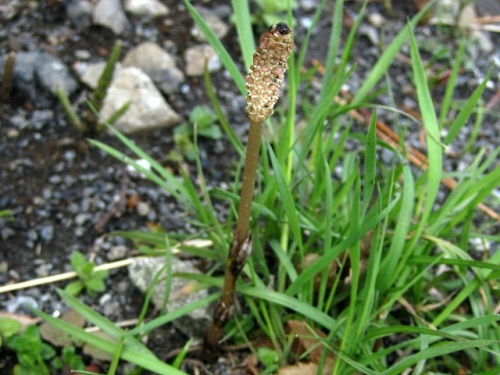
(6, 214)
(68, 359)
(8, 328)
(32, 352)
(201, 119)
(269, 358)
(90, 280)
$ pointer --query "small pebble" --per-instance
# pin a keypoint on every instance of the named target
(143, 208)
(376, 19)
(82, 54)
(117, 252)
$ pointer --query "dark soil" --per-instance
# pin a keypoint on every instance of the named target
(65, 195)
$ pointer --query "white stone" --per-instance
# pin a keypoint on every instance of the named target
(148, 108)
(196, 56)
(157, 64)
(213, 21)
(148, 8)
(109, 13)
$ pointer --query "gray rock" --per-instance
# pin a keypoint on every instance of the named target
(148, 108)
(109, 306)
(40, 118)
(109, 13)
(195, 58)
(6, 233)
(376, 19)
(16, 303)
(308, 4)
(47, 232)
(80, 13)
(146, 8)
(157, 64)
(219, 28)
(38, 75)
(371, 33)
(117, 252)
(83, 54)
(141, 273)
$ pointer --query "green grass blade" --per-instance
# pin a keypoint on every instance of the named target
(436, 350)
(434, 149)
(464, 293)
(333, 46)
(284, 260)
(304, 45)
(70, 111)
(466, 110)
(472, 323)
(387, 58)
(231, 135)
(450, 86)
(106, 77)
(128, 354)
(294, 304)
(268, 295)
(455, 262)
(321, 110)
(172, 315)
(172, 188)
(370, 163)
(287, 199)
(370, 292)
(257, 208)
(118, 113)
(243, 24)
(348, 340)
(326, 233)
(116, 358)
(395, 252)
(317, 266)
(182, 354)
(103, 323)
(216, 44)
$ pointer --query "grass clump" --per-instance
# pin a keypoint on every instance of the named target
(356, 265)
(90, 123)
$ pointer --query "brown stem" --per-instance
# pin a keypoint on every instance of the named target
(242, 244)
(262, 84)
(7, 76)
(248, 183)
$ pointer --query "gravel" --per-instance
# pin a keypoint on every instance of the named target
(65, 195)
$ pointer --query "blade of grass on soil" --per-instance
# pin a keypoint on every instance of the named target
(216, 44)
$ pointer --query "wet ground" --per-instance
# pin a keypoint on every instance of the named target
(64, 195)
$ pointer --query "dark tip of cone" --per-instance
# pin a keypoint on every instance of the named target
(282, 28)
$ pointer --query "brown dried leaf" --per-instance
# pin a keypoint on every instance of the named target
(55, 336)
(60, 338)
(299, 368)
(74, 317)
(23, 319)
(308, 340)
